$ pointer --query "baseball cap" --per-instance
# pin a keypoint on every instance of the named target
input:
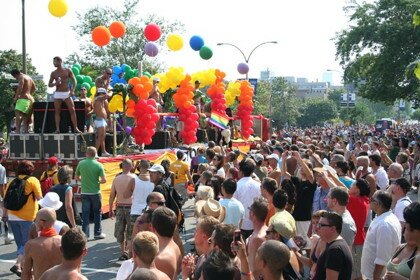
(53, 160)
(283, 227)
(274, 156)
(157, 168)
(258, 157)
(156, 79)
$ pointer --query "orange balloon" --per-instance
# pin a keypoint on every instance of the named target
(134, 81)
(101, 36)
(130, 112)
(143, 95)
(117, 29)
(138, 89)
(131, 103)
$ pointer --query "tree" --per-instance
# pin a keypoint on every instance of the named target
(128, 49)
(361, 114)
(377, 48)
(335, 96)
(278, 96)
(9, 60)
(317, 111)
(416, 115)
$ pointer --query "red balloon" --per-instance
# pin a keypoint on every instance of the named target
(152, 32)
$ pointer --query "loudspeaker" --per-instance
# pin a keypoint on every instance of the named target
(161, 140)
(211, 135)
(202, 136)
(65, 122)
(109, 141)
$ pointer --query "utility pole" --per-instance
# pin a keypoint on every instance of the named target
(23, 39)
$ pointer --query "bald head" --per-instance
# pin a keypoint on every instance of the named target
(395, 171)
(275, 255)
(154, 196)
(48, 216)
(143, 274)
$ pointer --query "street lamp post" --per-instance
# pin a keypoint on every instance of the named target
(246, 58)
(23, 38)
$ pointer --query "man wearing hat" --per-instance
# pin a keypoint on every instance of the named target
(100, 108)
(273, 162)
(210, 207)
(88, 107)
(52, 173)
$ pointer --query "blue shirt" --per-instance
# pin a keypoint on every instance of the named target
(320, 200)
(234, 211)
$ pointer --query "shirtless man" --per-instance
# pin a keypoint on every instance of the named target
(60, 80)
(47, 244)
(104, 80)
(157, 96)
(100, 108)
(88, 107)
(145, 249)
(257, 214)
(23, 99)
(122, 225)
(73, 249)
(169, 257)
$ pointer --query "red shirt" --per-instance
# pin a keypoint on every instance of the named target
(359, 207)
(271, 212)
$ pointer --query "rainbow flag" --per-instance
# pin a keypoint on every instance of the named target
(219, 120)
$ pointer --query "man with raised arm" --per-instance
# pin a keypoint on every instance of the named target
(60, 79)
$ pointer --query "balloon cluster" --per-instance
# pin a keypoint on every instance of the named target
(170, 79)
(116, 103)
(183, 99)
(216, 93)
(206, 77)
(141, 87)
(101, 35)
(233, 90)
(83, 80)
(245, 108)
(58, 8)
(121, 74)
(146, 116)
(152, 33)
(197, 44)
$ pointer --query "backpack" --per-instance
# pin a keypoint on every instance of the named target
(174, 202)
(47, 182)
(15, 197)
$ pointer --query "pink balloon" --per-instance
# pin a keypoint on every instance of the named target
(151, 49)
(243, 68)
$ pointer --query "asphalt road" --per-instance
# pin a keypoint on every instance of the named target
(101, 261)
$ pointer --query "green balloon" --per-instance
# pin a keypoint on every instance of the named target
(78, 66)
(147, 74)
(136, 72)
(127, 69)
(75, 70)
(87, 86)
(206, 53)
(79, 79)
(78, 87)
(87, 79)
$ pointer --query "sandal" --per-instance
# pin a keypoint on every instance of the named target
(16, 271)
(123, 257)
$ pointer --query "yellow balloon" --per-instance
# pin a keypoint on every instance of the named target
(175, 42)
(93, 90)
(112, 107)
(58, 8)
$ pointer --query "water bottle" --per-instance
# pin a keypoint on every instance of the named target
(69, 129)
(85, 128)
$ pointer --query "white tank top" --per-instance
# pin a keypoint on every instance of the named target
(141, 190)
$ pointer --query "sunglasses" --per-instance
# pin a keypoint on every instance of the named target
(160, 203)
(323, 225)
(108, 73)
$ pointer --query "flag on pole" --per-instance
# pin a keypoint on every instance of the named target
(219, 120)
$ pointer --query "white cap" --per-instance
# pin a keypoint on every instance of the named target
(51, 200)
(101, 90)
(275, 156)
(157, 168)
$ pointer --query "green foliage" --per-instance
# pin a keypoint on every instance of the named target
(335, 95)
(128, 49)
(361, 114)
(377, 48)
(416, 115)
(316, 111)
(282, 101)
(9, 60)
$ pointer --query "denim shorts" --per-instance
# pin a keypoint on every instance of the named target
(20, 231)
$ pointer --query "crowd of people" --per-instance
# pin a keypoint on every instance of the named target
(319, 203)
